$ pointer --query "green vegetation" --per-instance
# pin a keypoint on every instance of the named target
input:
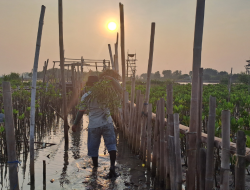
(239, 104)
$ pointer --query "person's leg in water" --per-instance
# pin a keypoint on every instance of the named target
(110, 142)
(94, 140)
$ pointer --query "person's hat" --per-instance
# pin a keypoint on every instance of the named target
(92, 80)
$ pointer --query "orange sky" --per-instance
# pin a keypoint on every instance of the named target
(225, 40)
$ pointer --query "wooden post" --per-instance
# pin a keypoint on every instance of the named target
(210, 144)
(123, 54)
(33, 95)
(138, 94)
(149, 133)
(139, 124)
(178, 166)
(170, 132)
(116, 52)
(172, 161)
(169, 111)
(60, 14)
(44, 174)
(194, 109)
(10, 136)
(111, 57)
(198, 130)
(225, 158)
(154, 161)
(162, 139)
(240, 165)
(229, 85)
(132, 109)
(202, 168)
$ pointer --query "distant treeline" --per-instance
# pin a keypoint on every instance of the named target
(209, 75)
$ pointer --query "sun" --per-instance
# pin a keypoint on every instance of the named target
(112, 26)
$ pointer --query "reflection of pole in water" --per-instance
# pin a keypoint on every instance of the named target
(76, 139)
(64, 176)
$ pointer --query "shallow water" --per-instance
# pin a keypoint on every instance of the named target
(71, 168)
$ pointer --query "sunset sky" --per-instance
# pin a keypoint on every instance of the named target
(226, 38)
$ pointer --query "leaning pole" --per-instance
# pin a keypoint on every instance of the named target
(33, 95)
(60, 20)
(194, 108)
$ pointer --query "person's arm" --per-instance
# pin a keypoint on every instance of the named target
(77, 120)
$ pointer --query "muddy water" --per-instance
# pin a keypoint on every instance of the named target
(71, 168)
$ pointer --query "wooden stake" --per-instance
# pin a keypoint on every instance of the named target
(111, 57)
(116, 52)
(139, 124)
(178, 166)
(240, 165)
(198, 130)
(33, 95)
(210, 144)
(162, 139)
(145, 107)
(149, 133)
(194, 96)
(10, 136)
(44, 174)
(172, 161)
(132, 108)
(154, 161)
(60, 14)
(202, 167)
(138, 94)
(123, 54)
(225, 152)
(169, 111)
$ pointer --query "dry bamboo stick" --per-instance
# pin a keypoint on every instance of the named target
(139, 124)
(210, 144)
(202, 167)
(10, 136)
(149, 134)
(132, 108)
(138, 94)
(225, 152)
(198, 130)
(162, 139)
(194, 95)
(172, 162)
(60, 15)
(240, 165)
(33, 96)
(155, 145)
(111, 57)
(177, 152)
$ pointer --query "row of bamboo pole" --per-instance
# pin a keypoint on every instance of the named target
(159, 145)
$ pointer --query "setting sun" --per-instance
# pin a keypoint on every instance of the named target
(112, 26)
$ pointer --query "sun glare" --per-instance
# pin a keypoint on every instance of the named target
(112, 26)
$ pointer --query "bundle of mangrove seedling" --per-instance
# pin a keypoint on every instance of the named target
(106, 95)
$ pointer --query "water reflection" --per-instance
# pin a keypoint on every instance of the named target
(64, 177)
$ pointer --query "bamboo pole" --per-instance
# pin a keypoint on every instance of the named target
(123, 54)
(111, 57)
(225, 152)
(210, 144)
(139, 124)
(172, 162)
(149, 134)
(145, 106)
(132, 110)
(33, 95)
(44, 174)
(60, 14)
(155, 145)
(229, 85)
(177, 152)
(10, 136)
(194, 95)
(198, 130)
(138, 94)
(116, 52)
(240, 165)
(202, 168)
(162, 138)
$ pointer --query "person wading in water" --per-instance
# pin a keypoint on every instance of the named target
(99, 125)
